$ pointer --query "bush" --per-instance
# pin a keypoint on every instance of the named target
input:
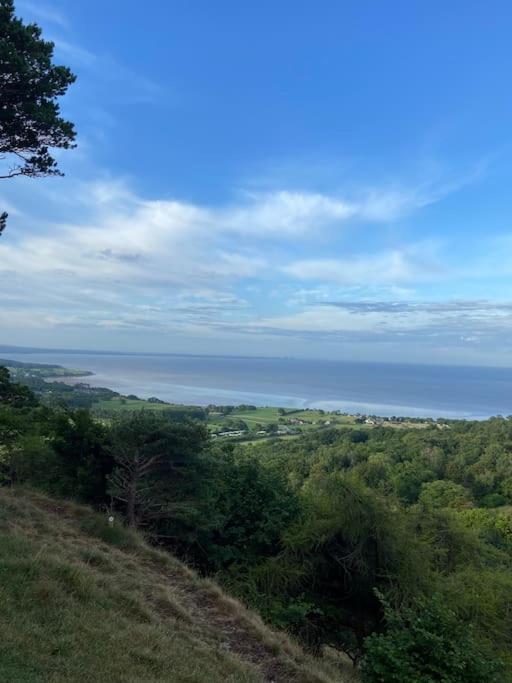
(32, 460)
(493, 500)
(427, 644)
(444, 493)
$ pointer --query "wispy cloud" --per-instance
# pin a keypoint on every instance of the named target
(123, 82)
(453, 324)
(395, 266)
(434, 307)
(78, 55)
(287, 213)
(43, 12)
(302, 212)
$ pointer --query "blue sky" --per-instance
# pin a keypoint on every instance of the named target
(316, 179)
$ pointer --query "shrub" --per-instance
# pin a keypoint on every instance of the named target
(493, 500)
(426, 644)
(444, 493)
(32, 460)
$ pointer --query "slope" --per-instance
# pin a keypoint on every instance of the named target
(83, 601)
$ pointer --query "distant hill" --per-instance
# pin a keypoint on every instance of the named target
(8, 348)
(85, 601)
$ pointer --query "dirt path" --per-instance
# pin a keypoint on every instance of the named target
(236, 629)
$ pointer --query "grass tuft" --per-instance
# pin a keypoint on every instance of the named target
(115, 534)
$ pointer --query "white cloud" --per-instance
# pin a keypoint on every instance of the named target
(304, 213)
(391, 204)
(163, 268)
(393, 266)
(287, 213)
(124, 239)
(128, 263)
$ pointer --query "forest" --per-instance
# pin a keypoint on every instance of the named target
(392, 547)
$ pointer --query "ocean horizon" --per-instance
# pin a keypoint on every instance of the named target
(383, 389)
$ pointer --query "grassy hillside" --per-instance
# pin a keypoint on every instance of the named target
(83, 601)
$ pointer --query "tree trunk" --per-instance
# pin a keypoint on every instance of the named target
(130, 504)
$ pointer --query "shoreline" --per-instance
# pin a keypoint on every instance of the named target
(166, 383)
(342, 406)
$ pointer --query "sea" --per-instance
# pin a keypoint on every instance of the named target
(383, 389)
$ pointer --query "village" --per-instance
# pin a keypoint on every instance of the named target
(247, 423)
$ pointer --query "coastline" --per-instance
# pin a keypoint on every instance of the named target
(204, 396)
(359, 388)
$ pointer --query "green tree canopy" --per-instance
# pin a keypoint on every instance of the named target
(444, 493)
(150, 455)
(15, 395)
(30, 120)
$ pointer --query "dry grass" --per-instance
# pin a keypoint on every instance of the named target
(83, 601)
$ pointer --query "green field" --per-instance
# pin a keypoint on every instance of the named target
(253, 418)
(310, 418)
(121, 404)
(300, 421)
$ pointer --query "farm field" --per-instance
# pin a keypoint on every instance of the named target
(120, 404)
(277, 422)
